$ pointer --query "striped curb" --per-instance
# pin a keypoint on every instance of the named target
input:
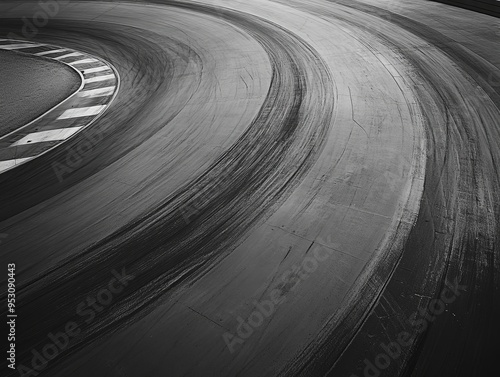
(100, 84)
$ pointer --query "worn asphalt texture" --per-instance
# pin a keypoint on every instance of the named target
(337, 158)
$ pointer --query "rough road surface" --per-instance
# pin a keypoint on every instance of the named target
(279, 187)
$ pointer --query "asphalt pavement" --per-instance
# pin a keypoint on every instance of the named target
(280, 188)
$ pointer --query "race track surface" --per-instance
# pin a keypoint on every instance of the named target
(280, 188)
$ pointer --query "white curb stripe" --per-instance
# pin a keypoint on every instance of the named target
(51, 135)
(100, 92)
(99, 78)
(97, 69)
(82, 112)
(83, 61)
(19, 46)
(51, 52)
(69, 55)
(32, 142)
(4, 165)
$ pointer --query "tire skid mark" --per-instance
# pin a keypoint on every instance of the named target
(144, 71)
(241, 187)
(456, 233)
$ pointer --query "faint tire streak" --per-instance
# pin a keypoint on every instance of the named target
(456, 234)
(160, 249)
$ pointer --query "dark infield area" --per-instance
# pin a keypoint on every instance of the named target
(29, 86)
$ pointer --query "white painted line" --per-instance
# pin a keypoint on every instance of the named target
(83, 61)
(82, 112)
(51, 52)
(100, 92)
(96, 69)
(99, 78)
(19, 46)
(69, 55)
(5, 165)
(51, 135)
